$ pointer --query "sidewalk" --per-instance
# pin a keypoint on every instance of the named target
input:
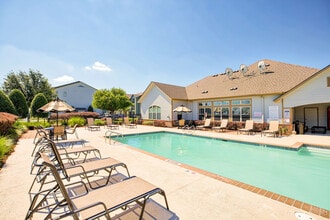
(191, 195)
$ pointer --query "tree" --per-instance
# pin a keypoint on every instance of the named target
(6, 104)
(29, 84)
(111, 100)
(19, 101)
(38, 101)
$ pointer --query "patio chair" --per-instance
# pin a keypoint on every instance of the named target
(181, 123)
(110, 125)
(40, 132)
(128, 123)
(207, 124)
(273, 129)
(80, 202)
(73, 131)
(223, 125)
(91, 126)
(248, 127)
(59, 131)
(70, 168)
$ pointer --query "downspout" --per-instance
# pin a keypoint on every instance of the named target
(282, 106)
(262, 109)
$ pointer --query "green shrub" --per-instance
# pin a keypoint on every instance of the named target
(5, 148)
(80, 121)
(99, 122)
(32, 125)
(6, 105)
(38, 101)
(19, 101)
(148, 122)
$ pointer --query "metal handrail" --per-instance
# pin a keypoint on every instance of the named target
(109, 134)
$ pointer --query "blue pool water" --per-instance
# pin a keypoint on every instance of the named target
(303, 175)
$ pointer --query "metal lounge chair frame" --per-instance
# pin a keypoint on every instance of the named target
(91, 126)
(78, 154)
(60, 143)
(84, 170)
(128, 123)
(92, 204)
(110, 125)
(73, 131)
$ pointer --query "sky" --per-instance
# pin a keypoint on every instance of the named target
(129, 43)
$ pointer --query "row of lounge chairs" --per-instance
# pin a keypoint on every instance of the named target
(109, 124)
(249, 124)
(89, 187)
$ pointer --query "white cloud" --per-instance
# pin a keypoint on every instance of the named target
(64, 79)
(98, 66)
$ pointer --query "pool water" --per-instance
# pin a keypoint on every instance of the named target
(303, 175)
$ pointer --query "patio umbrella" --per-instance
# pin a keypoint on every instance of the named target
(182, 108)
(56, 106)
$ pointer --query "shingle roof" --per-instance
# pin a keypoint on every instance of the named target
(174, 92)
(277, 78)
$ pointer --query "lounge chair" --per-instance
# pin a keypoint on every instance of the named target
(61, 143)
(110, 125)
(91, 126)
(40, 132)
(73, 131)
(223, 125)
(248, 127)
(78, 154)
(207, 124)
(79, 202)
(190, 125)
(70, 168)
(273, 129)
(128, 123)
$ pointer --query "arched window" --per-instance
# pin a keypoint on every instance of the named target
(154, 112)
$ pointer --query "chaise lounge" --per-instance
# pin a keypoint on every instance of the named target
(80, 202)
(207, 124)
(223, 125)
(273, 129)
(248, 127)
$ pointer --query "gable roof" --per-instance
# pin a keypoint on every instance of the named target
(175, 92)
(172, 91)
(277, 78)
(325, 69)
(76, 82)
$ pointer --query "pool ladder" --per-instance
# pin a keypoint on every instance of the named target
(109, 134)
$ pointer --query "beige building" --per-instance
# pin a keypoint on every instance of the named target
(263, 91)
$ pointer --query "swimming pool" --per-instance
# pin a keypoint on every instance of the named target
(303, 175)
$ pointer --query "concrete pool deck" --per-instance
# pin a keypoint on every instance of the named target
(191, 194)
